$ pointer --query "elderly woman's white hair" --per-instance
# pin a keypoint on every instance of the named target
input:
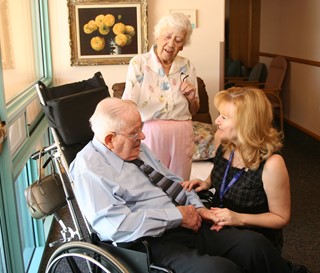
(176, 21)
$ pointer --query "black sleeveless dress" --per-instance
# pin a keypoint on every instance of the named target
(245, 196)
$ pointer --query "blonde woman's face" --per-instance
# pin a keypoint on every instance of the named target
(169, 43)
(225, 121)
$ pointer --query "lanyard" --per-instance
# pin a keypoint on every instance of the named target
(224, 188)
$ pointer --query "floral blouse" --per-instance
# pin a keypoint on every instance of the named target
(158, 95)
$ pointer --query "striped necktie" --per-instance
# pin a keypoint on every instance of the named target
(173, 189)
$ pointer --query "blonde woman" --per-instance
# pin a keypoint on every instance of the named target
(249, 174)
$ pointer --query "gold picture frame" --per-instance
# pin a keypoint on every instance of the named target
(107, 32)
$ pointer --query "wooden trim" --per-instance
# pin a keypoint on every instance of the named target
(317, 137)
(291, 59)
(302, 61)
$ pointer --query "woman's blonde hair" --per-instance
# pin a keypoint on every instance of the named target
(257, 138)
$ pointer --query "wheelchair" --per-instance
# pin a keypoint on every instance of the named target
(68, 109)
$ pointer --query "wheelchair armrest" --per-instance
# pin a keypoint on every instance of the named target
(140, 245)
(206, 197)
(136, 254)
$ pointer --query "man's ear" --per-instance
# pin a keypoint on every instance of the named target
(108, 140)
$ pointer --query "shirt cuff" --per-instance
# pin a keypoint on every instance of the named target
(174, 218)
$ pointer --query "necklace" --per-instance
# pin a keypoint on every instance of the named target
(224, 186)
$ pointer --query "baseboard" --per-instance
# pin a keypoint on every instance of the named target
(304, 130)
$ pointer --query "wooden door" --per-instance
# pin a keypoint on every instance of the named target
(244, 31)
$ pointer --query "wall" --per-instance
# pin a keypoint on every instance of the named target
(290, 28)
(206, 49)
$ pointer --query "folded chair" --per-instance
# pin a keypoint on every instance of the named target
(68, 109)
(272, 85)
(256, 76)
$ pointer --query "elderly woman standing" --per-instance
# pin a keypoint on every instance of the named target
(164, 86)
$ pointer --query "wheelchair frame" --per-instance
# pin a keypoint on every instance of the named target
(79, 255)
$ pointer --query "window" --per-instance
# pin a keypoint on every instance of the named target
(21, 42)
(25, 59)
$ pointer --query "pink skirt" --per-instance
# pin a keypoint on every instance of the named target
(172, 143)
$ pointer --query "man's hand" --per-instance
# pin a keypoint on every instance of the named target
(190, 217)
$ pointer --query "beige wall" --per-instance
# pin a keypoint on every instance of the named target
(291, 28)
(288, 27)
(205, 50)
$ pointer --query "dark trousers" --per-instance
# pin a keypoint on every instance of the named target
(228, 250)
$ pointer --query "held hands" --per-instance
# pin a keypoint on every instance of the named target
(212, 215)
(220, 217)
(190, 217)
(224, 217)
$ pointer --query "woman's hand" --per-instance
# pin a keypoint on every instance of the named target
(225, 217)
(188, 89)
(208, 215)
(196, 184)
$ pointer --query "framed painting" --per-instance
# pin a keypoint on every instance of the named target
(107, 32)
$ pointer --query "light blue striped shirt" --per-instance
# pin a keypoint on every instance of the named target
(118, 200)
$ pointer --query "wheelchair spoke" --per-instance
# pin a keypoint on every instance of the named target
(81, 257)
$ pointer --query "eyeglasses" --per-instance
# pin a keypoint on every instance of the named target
(183, 76)
(134, 136)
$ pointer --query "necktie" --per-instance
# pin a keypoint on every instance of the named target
(173, 189)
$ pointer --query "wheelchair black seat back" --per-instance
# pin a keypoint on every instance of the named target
(68, 109)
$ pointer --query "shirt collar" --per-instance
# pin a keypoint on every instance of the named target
(155, 65)
(110, 157)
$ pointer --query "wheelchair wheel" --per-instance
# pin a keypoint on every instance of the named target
(83, 257)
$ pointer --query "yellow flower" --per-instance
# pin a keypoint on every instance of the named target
(162, 99)
(109, 20)
(104, 30)
(87, 29)
(130, 30)
(99, 20)
(129, 39)
(92, 24)
(97, 43)
(119, 28)
(90, 27)
(121, 39)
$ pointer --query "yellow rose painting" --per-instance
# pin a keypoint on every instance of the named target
(108, 29)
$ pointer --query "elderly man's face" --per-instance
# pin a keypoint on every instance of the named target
(169, 43)
(126, 144)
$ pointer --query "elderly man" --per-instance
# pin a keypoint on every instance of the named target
(126, 193)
